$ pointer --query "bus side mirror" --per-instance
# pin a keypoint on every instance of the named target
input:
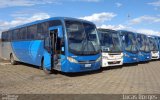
(47, 44)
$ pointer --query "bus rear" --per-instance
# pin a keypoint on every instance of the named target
(143, 47)
(129, 46)
(112, 54)
(154, 47)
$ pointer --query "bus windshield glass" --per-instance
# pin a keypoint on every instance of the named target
(130, 42)
(110, 41)
(143, 43)
(82, 38)
(153, 44)
(159, 42)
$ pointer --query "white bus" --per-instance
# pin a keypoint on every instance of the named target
(112, 54)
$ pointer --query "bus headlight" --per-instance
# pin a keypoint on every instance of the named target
(140, 54)
(99, 59)
(122, 55)
(72, 60)
(104, 57)
(126, 55)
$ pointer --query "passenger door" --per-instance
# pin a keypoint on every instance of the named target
(56, 35)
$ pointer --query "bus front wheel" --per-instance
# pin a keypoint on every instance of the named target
(12, 61)
(44, 69)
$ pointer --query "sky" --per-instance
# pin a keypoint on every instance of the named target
(141, 16)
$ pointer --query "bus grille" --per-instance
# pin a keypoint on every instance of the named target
(117, 62)
(114, 53)
(87, 62)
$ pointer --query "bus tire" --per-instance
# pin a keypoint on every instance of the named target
(46, 71)
(41, 67)
(12, 61)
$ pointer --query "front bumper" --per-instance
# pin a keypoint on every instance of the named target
(130, 60)
(70, 67)
(107, 62)
(155, 55)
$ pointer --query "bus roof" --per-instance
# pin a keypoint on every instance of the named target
(152, 36)
(49, 19)
(142, 34)
(106, 30)
(126, 31)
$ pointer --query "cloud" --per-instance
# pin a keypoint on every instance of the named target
(13, 3)
(118, 4)
(156, 3)
(114, 27)
(88, 0)
(22, 20)
(145, 19)
(123, 27)
(100, 17)
(148, 31)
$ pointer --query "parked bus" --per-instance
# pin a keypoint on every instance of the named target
(158, 41)
(154, 47)
(112, 54)
(0, 46)
(60, 43)
(129, 45)
(143, 47)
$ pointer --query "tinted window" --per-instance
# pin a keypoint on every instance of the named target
(42, 30)
(15, 34)
(32, 32)
(23, 34)
(6, 36)
(55, 23)
(3, 36)
(9, 35)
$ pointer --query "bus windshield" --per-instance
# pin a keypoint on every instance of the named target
(159, 43)
(110, 41)
(143, 43)
(82, 38)
(153, 44)
(130, 43)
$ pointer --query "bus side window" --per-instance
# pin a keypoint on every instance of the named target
(3, 36)
(23, 33)
(42, 30)
(9, 35)
(39, 31)
(32, 32)
(15, 33)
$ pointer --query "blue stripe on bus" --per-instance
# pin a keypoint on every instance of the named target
(28, 51)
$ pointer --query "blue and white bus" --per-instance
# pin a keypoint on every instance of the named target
(143, 47)
(129, 46)
(154, 47)
(60, 43)
(112, 54)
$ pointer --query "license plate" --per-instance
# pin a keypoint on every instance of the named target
(87, 65)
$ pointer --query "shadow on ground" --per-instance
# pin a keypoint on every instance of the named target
(130, 64)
